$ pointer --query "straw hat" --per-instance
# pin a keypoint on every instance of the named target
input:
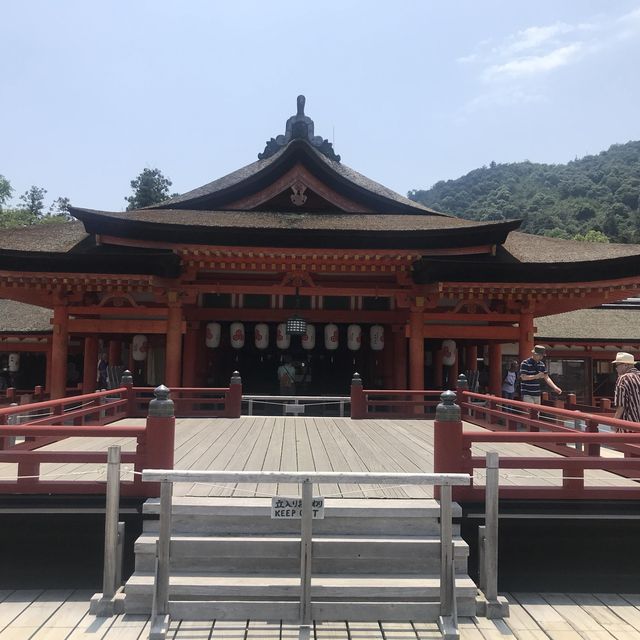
(539, 350)
(623, 357)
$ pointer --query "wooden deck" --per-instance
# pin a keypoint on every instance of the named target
(64, 615)
(306, 444)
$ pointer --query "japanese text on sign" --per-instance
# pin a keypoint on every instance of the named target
(291, 508)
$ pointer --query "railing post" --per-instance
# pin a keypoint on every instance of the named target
(493, 606)
(11, 394)
(447, 621)
(306, 538)
(104, 604)
(160, 608)
(447, 437)
(161, 433)
(593, 448)
(605, 404)
(462, 385)
(8, 441)
(358, 400)
(233, 407)
(127, 382)
(572, 400)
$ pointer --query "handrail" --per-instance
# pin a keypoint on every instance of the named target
(161, 610)
(453, 449)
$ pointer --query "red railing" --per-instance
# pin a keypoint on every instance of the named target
(391, 403)
(578, 437)
(89, 416)
(191, 402)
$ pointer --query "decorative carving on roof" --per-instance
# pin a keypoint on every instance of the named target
(299, 127)
(297, 197)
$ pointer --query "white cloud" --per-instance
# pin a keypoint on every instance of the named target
(514, 70)
(531, 65)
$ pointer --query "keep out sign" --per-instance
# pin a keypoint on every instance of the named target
(291, 508)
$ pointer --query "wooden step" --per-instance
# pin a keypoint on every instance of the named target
(227, 516)
(344, 588)
(288, 612)
(280, 554)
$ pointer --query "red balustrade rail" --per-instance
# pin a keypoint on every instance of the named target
(391, 403)
(191, 402)
(89, 416)
(584, 441)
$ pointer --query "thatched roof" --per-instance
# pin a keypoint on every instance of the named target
(58, 237)
(591, 324)
(17, 317)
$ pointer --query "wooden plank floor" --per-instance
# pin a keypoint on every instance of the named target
(64, 615)
(305, 443)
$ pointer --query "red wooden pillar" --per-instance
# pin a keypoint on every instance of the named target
(190, 359)
(90, 364)
(115, 352)
(437, 369)
(59, 351)
(495, 368)
(525, 338)
(173, 362)
(471, 357)
(416, 349)
(47, 375)
(400, 358)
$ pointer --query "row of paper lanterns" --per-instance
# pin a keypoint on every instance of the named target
(283, 339)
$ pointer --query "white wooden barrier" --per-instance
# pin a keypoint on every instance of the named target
(447, 621)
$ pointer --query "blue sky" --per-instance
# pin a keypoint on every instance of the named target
(410, 92)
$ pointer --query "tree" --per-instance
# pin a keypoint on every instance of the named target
(5, 191)
(59, 211)
(591, 236)
(150, 187)
(33, 201)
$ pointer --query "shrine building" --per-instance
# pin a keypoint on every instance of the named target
(295, 257)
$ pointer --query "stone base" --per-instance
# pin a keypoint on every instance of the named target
(106, 607)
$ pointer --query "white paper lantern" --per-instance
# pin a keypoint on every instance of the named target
(449, 352)
(236, 331)
(261, 335)
(331, 337)
(309, 337)
(14, 362)
(139, 347)
(376, 337)
(283, 339)
(354, 337)
(212, 339)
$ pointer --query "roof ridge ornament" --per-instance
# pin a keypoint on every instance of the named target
(299, 127)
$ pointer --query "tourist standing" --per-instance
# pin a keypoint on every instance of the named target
(627, 391)
(509, 382)
(287, 377)
(532, 371)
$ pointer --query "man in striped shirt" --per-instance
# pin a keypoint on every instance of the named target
(627, 393)
(532, 370)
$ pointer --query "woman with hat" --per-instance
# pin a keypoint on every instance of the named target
(627, 392)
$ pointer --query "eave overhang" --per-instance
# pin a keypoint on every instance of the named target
(435, 269)
(453, 237)
(157, 263)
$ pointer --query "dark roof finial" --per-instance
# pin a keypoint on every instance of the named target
(299, 127)
(301, 101)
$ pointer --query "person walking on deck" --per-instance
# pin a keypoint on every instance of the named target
(287, 377)
(532, 371)
(627, 391)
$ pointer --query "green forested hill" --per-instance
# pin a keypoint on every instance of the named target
(600, 193)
